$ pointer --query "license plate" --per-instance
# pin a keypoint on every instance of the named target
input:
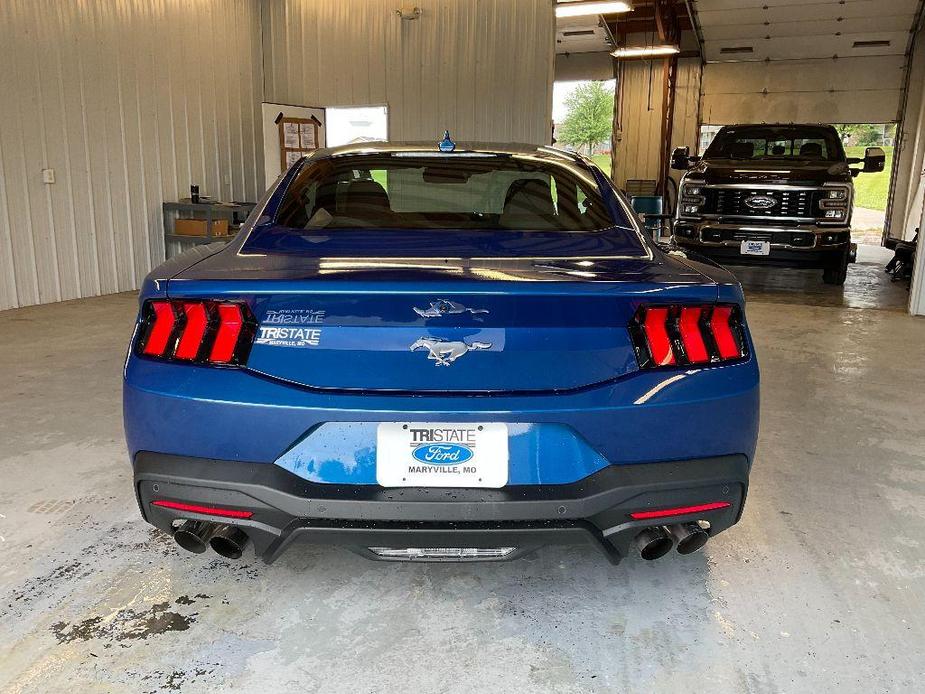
(755, 248)
(414, 454)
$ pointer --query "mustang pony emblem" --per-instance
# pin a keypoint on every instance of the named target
(445, 352)
(442, 307)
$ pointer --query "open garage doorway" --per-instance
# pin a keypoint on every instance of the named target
(582, 115)
(868, 285)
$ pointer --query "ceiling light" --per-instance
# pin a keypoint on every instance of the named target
(645, 51)
(581, 9)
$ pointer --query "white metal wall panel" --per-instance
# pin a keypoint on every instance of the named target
(481, 68)
(804, 91)
(129, 102)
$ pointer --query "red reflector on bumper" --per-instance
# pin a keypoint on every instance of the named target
(207, 510)
(679, 511)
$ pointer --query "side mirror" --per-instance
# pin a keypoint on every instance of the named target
(681, 158)
(874, 160)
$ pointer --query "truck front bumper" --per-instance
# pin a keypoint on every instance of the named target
(285, 509)
(807, 246)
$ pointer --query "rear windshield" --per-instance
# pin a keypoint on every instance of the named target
(460, 191)
(781, 142)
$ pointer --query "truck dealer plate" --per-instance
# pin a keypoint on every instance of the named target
(755, 248)
(441, 454)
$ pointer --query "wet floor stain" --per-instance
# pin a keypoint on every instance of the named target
(127, 625)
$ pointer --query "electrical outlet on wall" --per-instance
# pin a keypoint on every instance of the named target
(48, 175)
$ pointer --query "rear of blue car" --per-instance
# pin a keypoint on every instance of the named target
(441, 358)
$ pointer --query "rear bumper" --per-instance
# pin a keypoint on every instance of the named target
(288, 509)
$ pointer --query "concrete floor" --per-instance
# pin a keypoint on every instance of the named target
(820, 588)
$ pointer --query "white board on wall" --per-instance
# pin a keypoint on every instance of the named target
(272, 165)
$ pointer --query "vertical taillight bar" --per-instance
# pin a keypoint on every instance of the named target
(655, 325)
(161, 322)
(691, 336)
(726, 342)
(197, 321)
(230, 323)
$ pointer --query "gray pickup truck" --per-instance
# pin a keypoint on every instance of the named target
(771, 194)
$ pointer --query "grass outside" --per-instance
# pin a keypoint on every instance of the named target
(871, 190)
(603, 161)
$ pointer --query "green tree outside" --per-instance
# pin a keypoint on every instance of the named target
(590, 117)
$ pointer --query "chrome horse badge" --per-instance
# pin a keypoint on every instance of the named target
(445, 352)
(443, 307)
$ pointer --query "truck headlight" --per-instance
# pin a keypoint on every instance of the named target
(692, 198)
(835, 202)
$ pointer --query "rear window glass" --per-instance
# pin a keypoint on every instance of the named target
(775, 143)
(453, 191)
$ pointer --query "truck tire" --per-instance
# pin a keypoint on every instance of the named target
(837, 271)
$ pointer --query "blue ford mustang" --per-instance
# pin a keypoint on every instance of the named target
(441, 355)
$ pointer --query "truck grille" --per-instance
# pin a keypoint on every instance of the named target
(787, 203)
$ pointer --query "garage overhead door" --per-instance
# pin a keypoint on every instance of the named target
(792, 60)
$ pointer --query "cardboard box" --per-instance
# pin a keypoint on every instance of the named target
(198, 227)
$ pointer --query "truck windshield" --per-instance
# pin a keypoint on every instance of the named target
(776, 142)
(462, 191)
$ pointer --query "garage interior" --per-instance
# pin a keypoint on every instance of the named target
(114, 110)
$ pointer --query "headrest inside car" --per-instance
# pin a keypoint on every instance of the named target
(363, 197)
(529, 196)
(741, 150)
(811, 149)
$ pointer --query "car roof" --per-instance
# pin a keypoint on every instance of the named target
(430, 147)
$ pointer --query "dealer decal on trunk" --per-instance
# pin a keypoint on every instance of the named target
(290, 328)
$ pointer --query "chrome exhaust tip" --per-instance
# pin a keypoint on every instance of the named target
(194, 536)
(654, 543)
(229, 541)
(690, 537)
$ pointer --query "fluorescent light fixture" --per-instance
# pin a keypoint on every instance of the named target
(645, 51)
(581, 9)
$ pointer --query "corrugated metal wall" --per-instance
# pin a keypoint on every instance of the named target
(640, 107)
(129, 101)
(482, 68)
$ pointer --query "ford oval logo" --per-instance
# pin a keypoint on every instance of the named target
(760, 202)
(442, 453)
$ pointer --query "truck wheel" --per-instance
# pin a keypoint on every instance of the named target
(837, 271)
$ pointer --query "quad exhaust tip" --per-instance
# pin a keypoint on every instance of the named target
(229, 541)
(194, 536)
(689, 536)
(654, 542)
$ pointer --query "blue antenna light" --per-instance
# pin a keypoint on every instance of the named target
(446, 144)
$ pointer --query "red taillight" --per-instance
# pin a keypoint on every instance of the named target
(229, 330)
(687, 334)
(691, 337)
(679, 511)
(161, 323)
(197, 320)
(207, 510)
(197, 331)
(726, 342)
(656, 330)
